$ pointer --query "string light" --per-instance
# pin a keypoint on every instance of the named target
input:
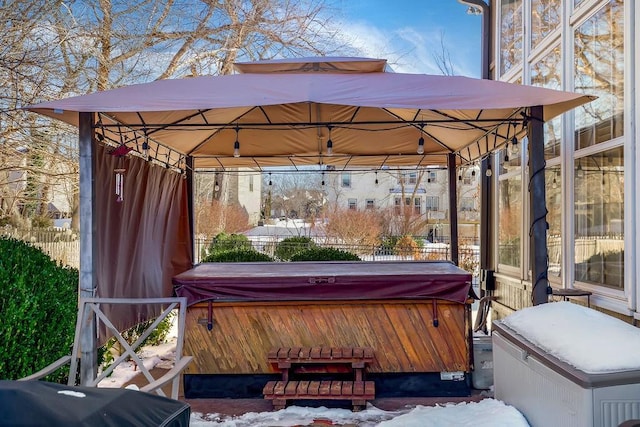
(421, 141)
(376, 177)
(236, 145)
(329, 144)
(489, 172)
(270, 183)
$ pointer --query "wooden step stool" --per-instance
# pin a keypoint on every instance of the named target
(320, 360)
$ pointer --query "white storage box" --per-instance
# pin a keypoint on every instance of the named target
(550, 392)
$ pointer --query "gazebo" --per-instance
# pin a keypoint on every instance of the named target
(140, 144)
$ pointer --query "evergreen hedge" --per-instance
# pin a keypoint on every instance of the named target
(291, 246)
(325, 254)
(239, 255)
(38, 308)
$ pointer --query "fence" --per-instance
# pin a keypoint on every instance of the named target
(62, 246)
(469, 255)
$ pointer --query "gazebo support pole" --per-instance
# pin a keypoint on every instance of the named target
(537, 208)
(88, 261)
(190, 205)
(453, 207)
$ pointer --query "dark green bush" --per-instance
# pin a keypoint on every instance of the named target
(38, 306)
(325, 254)
(240, 255)
(291, 246)
(229, 242)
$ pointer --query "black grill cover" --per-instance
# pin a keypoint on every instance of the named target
(39, 403)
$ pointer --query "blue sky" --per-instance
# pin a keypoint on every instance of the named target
(408, 33)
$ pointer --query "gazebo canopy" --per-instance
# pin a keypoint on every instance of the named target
(285, 112)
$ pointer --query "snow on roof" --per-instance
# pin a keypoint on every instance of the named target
(589, 340)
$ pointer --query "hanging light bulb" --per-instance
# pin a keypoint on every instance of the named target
(270, 183)
(460, 177)
(554, 184)
(420, 149)
(506, 156)
(376, 177)
(145, 149)
(236, 145)
(329, 144)
(323, 179)
(216, 187)
(489, 172)
(473, 171)
(515, 148)
(579, 171)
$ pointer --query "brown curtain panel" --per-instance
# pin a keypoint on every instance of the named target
(142, 241)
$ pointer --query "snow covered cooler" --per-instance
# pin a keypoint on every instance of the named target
(415, 315)
(561, 364)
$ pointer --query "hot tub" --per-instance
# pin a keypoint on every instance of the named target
(415, 315)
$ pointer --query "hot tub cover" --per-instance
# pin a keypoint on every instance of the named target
(304, 281)
(40, 403)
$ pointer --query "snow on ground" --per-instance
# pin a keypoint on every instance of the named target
(582, 337)
(488, 412)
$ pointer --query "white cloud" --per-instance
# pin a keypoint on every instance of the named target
(406, 49)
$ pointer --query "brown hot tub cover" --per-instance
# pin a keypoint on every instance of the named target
(314, 281)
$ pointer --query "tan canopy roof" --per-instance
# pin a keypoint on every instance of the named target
(284, 112)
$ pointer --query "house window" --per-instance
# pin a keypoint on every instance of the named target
(545, 18)
(417, 205)
(510, 35)
(346, 179)
(509, 220)
(369, 204)
(432, 203)
(599, 70)
(553, 193)
(599, 218)
(467, 204)
(408, 178)
(353, 204)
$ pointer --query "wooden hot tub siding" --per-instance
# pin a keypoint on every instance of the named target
(401, 332)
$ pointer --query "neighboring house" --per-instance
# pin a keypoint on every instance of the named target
(423, 191)
(587, 46)
(241, 185)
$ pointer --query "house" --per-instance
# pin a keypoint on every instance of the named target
(591, 165)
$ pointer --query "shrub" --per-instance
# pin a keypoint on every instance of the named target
(39, 303)
(291, 246)
(324, 254)
(407, 247)
(229, 242)
(240, 255)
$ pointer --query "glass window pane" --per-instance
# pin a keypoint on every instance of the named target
(545, 17)
(509, 221)
(599, 70)
(547, 73)
(510, 34)
(554, 219)
(599, 218)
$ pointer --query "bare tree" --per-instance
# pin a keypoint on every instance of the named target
(52, 49)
